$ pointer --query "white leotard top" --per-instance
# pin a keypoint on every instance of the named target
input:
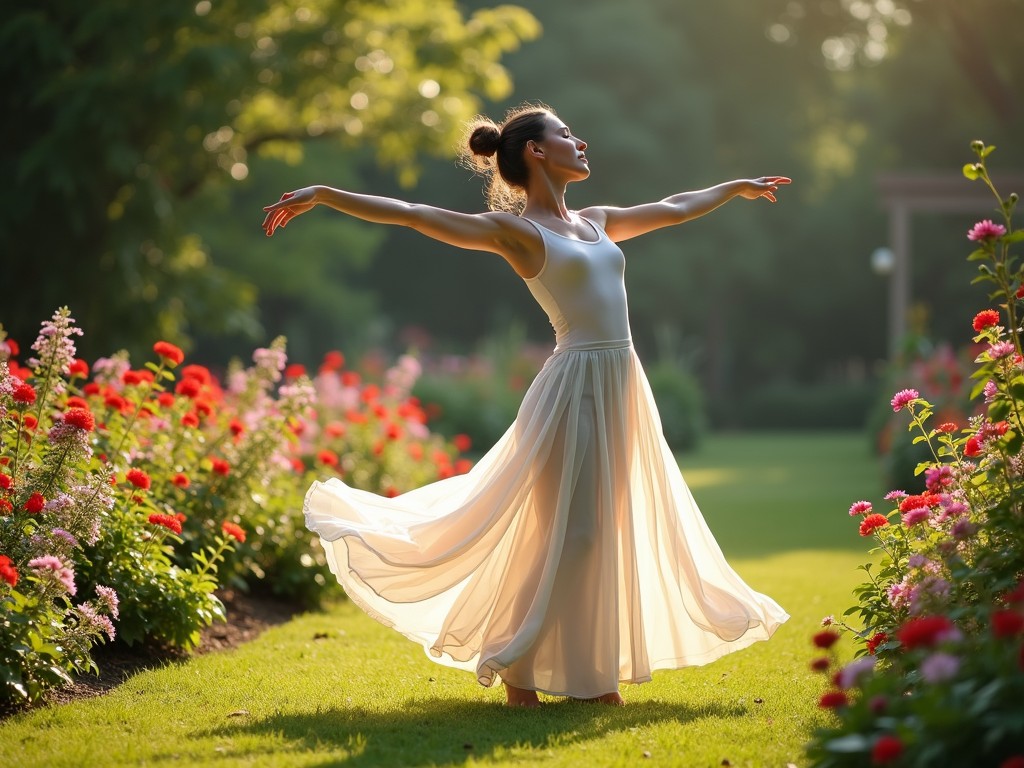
(581, 287)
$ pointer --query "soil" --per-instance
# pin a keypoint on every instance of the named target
(248, 616)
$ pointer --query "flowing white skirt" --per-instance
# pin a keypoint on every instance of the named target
(571, 558)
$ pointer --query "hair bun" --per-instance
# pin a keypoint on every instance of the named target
(484, 139)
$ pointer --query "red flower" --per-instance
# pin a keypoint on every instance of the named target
(79, 368)
(92, 388)
(115, 402)
(189, 387)
(1007, 623)
(29, 421)
(203, 406)
(24, 394)
(925, 631)
(393, 431)
(871, 522)
(328, 458)
(76, 402)
(6, 481)
(81, 418)
(1017, 761)
(335, 429)
(138, 478)
(236, 427)
(166, 399)
(462, 466)
(294, 370)
(333, 361)
(198, 372)
(920, 501)
(825, 639)
(948, 427)
(886, 749)
(391, 492)
(350, 379)
(985, 319)
(973, 446)
(876, 640)
(416, 451)
(298, 466)
(132, 378)
(1016, 595)
(170, 353)
(370, 393)
(181, 480)
(821, 664)
(190, 419)
(6, 507)
(833, 700)
(169, 522)
(462, 443)
(12, 347)
(35, 503)
(220, 466)
(233, 530)
(7, 570)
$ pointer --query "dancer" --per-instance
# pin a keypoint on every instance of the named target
(572, 557)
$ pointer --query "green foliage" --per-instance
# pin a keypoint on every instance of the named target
(942, 609)
(124, 110)
(788, 405)
(680, 404)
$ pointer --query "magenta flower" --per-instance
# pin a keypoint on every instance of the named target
(895, 495)
(860, 508)
(902, 398)
(986, 230)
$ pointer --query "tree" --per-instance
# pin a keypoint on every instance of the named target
(125, 109)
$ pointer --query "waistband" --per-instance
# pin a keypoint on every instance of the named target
(586, 346)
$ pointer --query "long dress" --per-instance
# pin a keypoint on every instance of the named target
(572, 557)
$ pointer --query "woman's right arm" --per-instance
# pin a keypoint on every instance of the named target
(494, 231)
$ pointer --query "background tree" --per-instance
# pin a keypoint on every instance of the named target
(119, 111)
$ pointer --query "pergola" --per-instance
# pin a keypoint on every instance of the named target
(903, 194)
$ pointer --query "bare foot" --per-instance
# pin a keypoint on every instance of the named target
(615, 699)
(521, 697)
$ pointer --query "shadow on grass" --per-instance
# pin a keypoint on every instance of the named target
(442, 732)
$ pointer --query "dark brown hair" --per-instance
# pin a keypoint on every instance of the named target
(490, 147)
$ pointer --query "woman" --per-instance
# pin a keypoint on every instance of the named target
(572, 557)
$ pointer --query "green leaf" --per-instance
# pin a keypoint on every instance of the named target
(971, 171)
(1014, 237)
(980, 253)
(848, 744)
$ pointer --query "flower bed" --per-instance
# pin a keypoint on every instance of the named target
(129, 495)
(939, 675)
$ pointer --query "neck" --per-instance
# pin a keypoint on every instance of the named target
(545, 198)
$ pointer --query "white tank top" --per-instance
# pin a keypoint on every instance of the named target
(581, 287)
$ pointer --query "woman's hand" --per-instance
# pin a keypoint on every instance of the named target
(765, 187)
(288, 207)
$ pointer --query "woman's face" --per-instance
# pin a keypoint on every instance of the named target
(563, 151)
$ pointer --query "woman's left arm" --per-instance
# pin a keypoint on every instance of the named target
(624, 223)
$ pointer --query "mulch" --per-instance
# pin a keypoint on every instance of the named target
(248, 615)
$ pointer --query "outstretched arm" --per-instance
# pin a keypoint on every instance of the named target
(624, 223)
(497, 232)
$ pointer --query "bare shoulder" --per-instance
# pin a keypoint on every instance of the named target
(597, 214)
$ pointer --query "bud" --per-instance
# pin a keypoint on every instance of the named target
(1013, 198)
(977, 146)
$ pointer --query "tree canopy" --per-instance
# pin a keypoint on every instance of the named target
(118, 111)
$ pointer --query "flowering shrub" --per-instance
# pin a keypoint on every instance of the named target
(139, 491)
(939, 675)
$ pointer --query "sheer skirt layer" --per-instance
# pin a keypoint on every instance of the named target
(571, 558)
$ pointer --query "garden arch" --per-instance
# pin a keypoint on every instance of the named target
(902, 194)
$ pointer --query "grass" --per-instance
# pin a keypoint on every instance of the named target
(336, 689)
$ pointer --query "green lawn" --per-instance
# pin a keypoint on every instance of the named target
(336, 689)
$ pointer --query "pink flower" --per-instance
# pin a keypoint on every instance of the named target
(851, 674)
(903, 398)
(1000, 349)
(895, 495)
(860, 508)
(939, 667)
(53, 564)
(915, 516)
(986, 229)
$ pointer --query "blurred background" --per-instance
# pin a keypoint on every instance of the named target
(141, 141)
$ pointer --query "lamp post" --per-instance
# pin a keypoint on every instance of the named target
(886, 262)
